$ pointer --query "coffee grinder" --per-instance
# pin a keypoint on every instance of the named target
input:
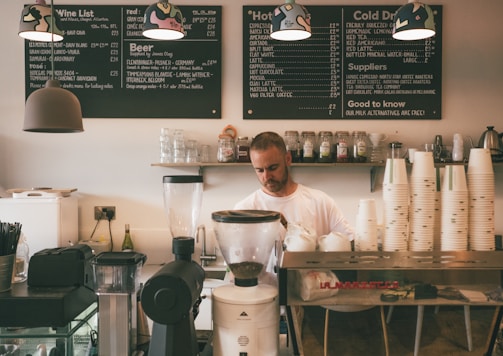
(246, 313)
(171, 297)
(117, 281)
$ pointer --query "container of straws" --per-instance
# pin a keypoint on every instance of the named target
(9, 237)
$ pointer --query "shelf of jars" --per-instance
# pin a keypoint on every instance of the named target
(374, 167)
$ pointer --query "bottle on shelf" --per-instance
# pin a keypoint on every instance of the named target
(308, 154)
(127, 243)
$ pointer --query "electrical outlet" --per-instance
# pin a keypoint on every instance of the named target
(101, 212)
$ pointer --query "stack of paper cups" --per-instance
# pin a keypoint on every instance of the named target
(482, 195)
(423, 189)
(454, 220)
(366, 226)
(396, 205)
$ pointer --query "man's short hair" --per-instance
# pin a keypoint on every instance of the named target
(267, 139)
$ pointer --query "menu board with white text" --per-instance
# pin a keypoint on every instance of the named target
(116, 72)
(350, 68)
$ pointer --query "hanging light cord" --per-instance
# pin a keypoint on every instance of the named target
(52, 40)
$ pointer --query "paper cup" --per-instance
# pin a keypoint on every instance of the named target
(480, 161)
(454, 179)
(395, 171)
(424, 165)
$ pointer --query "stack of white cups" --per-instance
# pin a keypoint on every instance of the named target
(481, 209)
(396, 206)
(366, 226)
(438, 209)
(423, 189)
(454, 220)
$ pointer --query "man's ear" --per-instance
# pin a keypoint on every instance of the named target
(288, 158)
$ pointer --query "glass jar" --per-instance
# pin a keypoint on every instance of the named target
(22, 258)
(325, 144)
(395, 150)
(342, 141)
(243, 149)
(359, 151)
(308, 144)
(226, 149)
(293, 145)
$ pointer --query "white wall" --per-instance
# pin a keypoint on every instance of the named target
(110, 162)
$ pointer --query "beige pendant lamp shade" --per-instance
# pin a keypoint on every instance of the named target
(163, 21)
(39, 23)
(53, 109)
(290, 22)
(413, 21)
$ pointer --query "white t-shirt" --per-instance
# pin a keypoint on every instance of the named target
(306, 206)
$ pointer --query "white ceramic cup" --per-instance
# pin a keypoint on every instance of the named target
(334, 241)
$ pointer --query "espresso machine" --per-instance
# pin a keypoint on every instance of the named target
(246, 313)
(172, 296)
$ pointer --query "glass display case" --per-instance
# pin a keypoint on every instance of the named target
(76, 338)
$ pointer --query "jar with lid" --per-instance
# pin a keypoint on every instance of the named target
(325, 144)
(22, 258)
(293, 145)
(342, 141)
(308, 144)
(395, 150)
(243, 149)
(226, 149)
(359, 152)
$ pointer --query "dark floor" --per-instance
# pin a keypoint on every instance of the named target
(360, 333)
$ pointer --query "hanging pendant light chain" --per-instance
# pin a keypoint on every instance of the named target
(52, 40)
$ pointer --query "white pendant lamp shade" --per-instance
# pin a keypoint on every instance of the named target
(39, 23)
(163, 21)
(290, 22)
(53, 109)
(413, 21)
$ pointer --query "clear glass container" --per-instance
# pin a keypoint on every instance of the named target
(343, 144)
(226, 150)
(243, 149)
(22, 259)
(308, 145)
(359, 152)
(325, 147)
(292, 142)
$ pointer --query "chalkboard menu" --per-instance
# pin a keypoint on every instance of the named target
(350, 68)
(117, 73)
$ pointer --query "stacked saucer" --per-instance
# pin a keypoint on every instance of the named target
(454, 219)
(423, 188)
(366, 226)
(395, 206)
(482, 194)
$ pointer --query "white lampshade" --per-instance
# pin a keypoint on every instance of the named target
(40, 23)
(413, 21)
(290, 22)
(52, 109)
(163, 21)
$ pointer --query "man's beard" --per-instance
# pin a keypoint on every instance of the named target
(275, 186)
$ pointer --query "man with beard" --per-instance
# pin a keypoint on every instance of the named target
(297, 203)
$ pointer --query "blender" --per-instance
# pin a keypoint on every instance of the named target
(171, 297)
(246, 313)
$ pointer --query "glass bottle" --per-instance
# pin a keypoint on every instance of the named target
(243, 149)
(22, 259)
(308, 139)
(293, 145)
(359, 152)
(325, 151)
(127, 243)
(342, 138)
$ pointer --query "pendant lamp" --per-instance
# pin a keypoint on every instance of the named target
(39, 23)
(52, 108)
(290, 22)
(163, 21)
(413, 21)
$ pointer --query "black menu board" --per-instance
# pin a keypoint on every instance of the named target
(117, 73)
(350, 68)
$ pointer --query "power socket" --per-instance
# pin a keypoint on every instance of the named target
(101, 212)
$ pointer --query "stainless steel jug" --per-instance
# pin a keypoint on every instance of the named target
(491, 140)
